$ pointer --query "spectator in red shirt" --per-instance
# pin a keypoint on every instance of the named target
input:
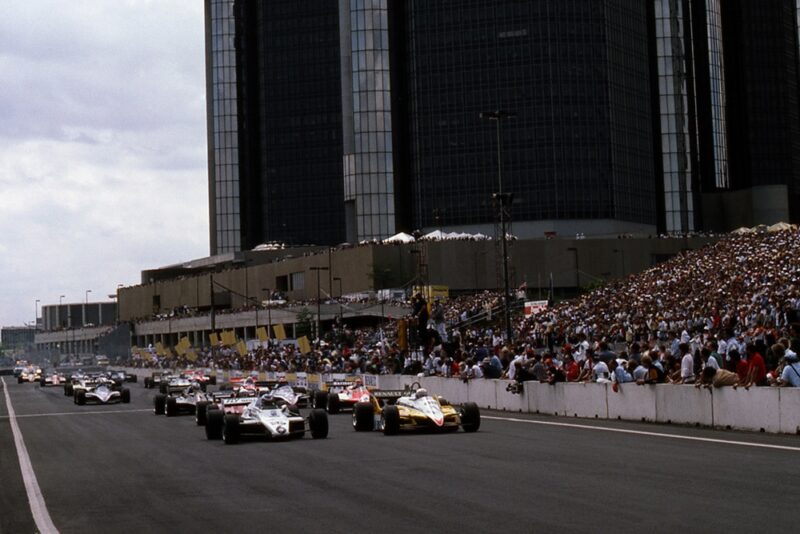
(737, 365)
(571, 368)
(756, 368)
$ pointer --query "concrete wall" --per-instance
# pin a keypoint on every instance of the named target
(773, 410)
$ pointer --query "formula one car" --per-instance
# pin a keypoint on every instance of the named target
(413, 409)
(264, 417)
(180, 398)
(52, 378)
(340, 395)
(120, 377)
(291, 395)
(203, 377)
(155, 379)
(101, 391)
(30, 374)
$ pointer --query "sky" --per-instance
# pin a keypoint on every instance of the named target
(102, 147)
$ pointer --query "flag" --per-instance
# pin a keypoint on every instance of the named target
(280, 332)
(305, 346)
(213, 338)
(262, 334)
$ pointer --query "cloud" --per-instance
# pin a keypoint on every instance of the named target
(102, 146)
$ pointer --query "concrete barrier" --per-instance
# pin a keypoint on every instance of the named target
(755, 409)
(789, 410)
(632, 403)
(545, 398)
(585, 400)
(771, 409)
(482, 392)
(683, 404)
(507, 401)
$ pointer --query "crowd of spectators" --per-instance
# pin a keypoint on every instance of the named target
(724, 315)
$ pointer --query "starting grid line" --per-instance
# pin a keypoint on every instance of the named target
(35, 498)
(644, 433)
(58, 414)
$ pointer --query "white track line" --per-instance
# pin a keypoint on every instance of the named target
(644, 433)
(35, 498)
(93, 412)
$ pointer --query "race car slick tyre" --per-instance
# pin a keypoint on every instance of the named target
(214, 420)
(162, 388)
(318, 422)
(171, 407)
(133, 378)
(391, 420)
(125, 395)
(470, 417)
(159, 404)
(363, 417)
(333, 404)
(200, 413)
(19, 380)
(319, 399)
(42, 383)
(212, 381)
(80, 398)
(67, 390)
(147, 384)
(230, 429)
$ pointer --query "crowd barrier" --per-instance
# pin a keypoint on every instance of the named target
(774, 410)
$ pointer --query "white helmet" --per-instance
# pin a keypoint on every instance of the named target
(422, 392)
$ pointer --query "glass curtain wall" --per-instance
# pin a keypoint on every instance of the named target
(716, 72)
(673, 90)
(368, 166)
(224, 182)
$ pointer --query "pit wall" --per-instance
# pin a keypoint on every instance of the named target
(773, 410)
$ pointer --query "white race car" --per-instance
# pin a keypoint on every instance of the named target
(30, 374)
(101, 392)
(267, 417)
(52, 378)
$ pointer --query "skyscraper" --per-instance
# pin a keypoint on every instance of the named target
(356, 119)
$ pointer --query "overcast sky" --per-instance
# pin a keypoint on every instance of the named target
(102, 146)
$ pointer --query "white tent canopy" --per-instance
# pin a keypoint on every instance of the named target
(402, 237)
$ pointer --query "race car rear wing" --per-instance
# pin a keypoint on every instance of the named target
(389, 393)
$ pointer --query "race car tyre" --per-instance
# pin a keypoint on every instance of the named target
(200, 413)
(212, 380)
(230, 429)
(147, 383)
(470, 417)
(333, 404)
(391, 420)
(42, 382)
(159, 403)
(19, 380)
(363, 417)
(132, 378)
(67, 392)
(162, 388)
(203, 387)
(318, 423)
(171, 407)
(80, 398)
(214, 421)
(319, 399)
(125, 395)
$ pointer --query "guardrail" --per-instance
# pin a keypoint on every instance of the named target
(773, 410)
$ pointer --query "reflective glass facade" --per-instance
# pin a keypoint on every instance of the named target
(575, 73)
(716, 72)
(673, 65)
(369, 158)
(223, 126)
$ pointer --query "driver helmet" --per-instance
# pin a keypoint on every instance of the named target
(421, 392)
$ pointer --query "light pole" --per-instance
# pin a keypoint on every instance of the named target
(60, 301)
(36, 316)
(341, 315)
(319, 301)
(622, 256)
(505, 203)
(269, 314)
(577, 269)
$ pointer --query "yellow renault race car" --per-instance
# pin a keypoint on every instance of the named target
(413, 409)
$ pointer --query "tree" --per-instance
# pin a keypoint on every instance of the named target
(305, 323)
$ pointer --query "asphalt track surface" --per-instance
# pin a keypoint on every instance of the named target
(119, 468)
